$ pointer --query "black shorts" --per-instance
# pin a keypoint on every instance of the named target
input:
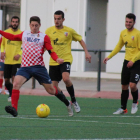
(10, 70)
(130, 74)
(55, 72)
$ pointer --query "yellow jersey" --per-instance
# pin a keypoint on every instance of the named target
(61, 40)
(11, 48)
(131, 41)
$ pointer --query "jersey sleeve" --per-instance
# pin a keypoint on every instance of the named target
(12, 37)
(47, 45)
(117, 48)
(3, 44)
(137, 56)
(76, 36)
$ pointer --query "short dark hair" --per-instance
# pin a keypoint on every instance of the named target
(35, 18)
(15, 17)
(131, 16)
(59, 12)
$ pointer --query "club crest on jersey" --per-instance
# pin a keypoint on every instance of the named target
(132, 37)
(38, 35)
(66, 34)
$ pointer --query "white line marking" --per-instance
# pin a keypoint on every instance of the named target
(48, 119)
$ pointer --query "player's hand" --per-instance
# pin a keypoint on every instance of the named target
(60, 61)
(88, 57)
(16, 57)
(130, 64)
(2, 55)
(105, 60)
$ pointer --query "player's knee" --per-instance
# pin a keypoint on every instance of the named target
(66, 80)
(16, 85)
(51, 91)
(7, 81)
(133, 86)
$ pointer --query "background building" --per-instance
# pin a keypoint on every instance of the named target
(98, 21)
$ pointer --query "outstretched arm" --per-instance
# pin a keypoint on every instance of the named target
(12, 37)
(49, 48)
(87, 55)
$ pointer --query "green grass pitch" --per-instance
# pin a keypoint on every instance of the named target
(95, 121)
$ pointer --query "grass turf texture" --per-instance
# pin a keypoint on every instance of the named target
(94, 121)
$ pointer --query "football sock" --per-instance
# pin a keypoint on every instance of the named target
(135, 96)
(61, 97)
(124, 99)
(9, 86)
(1, 81)
(15, 98)
(71, 93)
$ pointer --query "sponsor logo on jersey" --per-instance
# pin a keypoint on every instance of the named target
(66, 34)
(55, 42)
(10, 43)
(38, 35)
(30, 39)
(54, 32)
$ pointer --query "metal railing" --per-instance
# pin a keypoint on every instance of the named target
(99, 63)
(98, 69)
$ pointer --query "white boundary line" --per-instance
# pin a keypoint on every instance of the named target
(67, 120)
(86, 139)
(79, 116)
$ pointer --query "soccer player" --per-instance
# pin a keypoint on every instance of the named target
(33, 44)
(11, 54)
(61, 38)
(130, 38)
(2, 73)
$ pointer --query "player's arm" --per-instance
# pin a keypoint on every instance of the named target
(3, 48)
(12, 37)
(137, 56)
(115, 51)
(77, 37)
(87, 55)
(47, 45)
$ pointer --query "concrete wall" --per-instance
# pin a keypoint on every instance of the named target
(75, 17)
(117, 11)
(75, 14)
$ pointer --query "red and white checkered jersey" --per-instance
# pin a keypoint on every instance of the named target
(33, 48)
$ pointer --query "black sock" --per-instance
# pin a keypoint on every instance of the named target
(62, 97)
(9, 86)
(135, 96)
(71, 93)
(124, 99)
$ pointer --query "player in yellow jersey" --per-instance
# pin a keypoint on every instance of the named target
(11, 54)
(61, 38)
(130, 38)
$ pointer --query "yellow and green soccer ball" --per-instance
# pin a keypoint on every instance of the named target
(42, 110)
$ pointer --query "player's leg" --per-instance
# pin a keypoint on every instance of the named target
(7, 76)
(55, 75)
(1, 75)
(125, 78)
(65, 70)
(135, 75)
(43, 78)
(15, 68)
(53, 91)
(21, 77)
